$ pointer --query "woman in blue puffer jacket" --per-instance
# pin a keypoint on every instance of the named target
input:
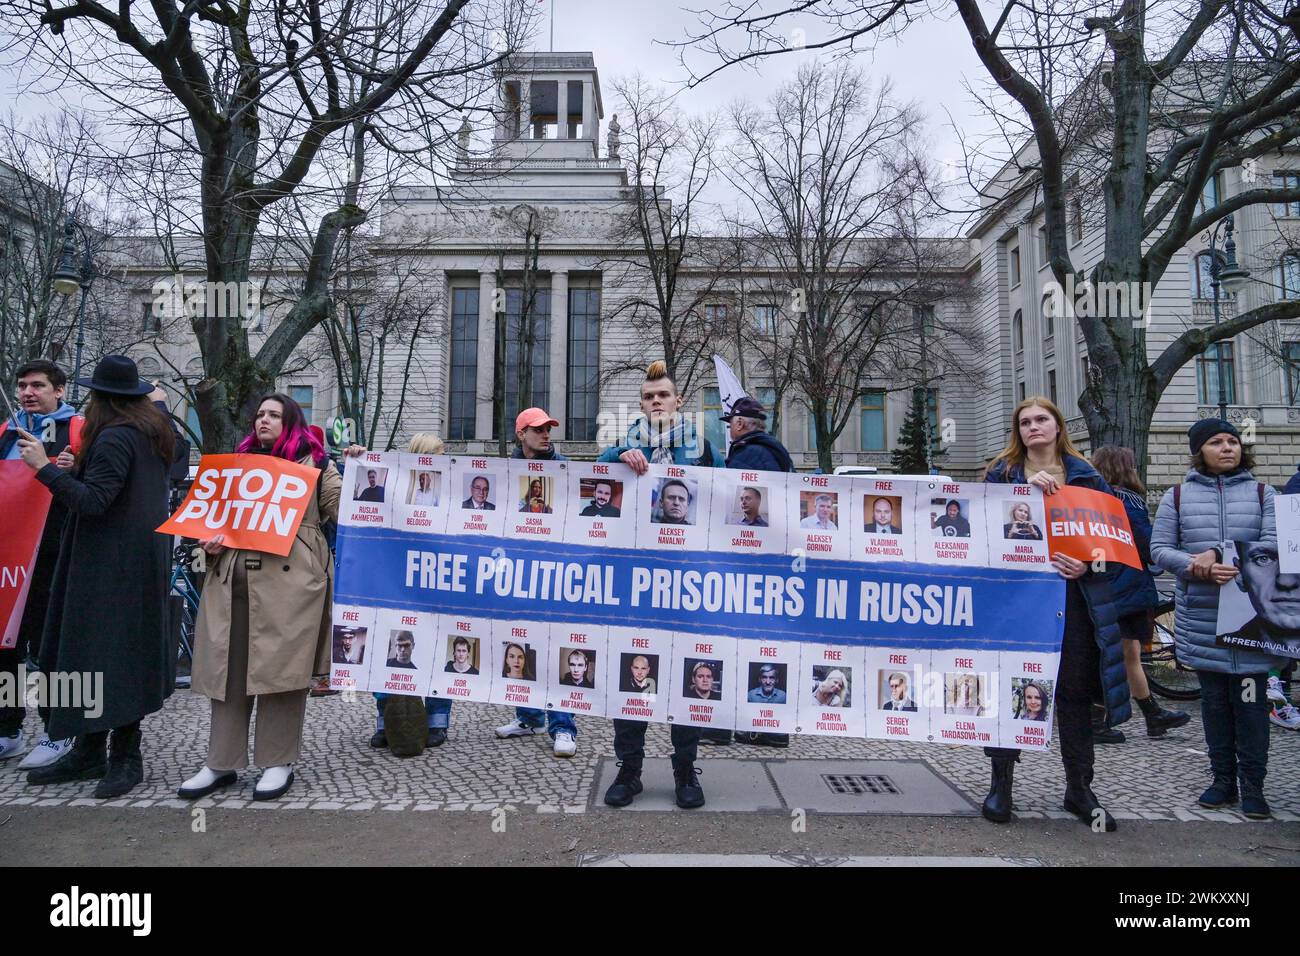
(1219, 501)
(1040, 453)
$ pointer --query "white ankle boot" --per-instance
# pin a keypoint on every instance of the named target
(273, 782)
(205, 782)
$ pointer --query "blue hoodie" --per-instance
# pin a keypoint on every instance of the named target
(688, 448)
(31, 422)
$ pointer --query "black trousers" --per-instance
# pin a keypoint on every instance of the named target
(629, 743)
(1078, 683)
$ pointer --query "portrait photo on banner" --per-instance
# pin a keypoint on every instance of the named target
(883, 514)
(749, 506)
(424, 488)
(479, 492)
(599, 498)
(371, 484)
(767, 683)
(577, 667)
(1031, 699)
(1020, 522)
(702, 679)
(519, 661)
(401, 649)
(462, 655)
(638, 674)
(819, 510)
(966, 695)
(950, 517)
(832, 685)
(348, 645)
(674, 501)
(536, 493)
(895, 690)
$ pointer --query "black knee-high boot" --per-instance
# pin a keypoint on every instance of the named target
(1074, 722)
(125, 763)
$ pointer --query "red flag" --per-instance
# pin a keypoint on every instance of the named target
(24, 502)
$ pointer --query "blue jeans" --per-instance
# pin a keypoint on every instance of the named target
(1236, 730)
(438, 709)
(555, 720)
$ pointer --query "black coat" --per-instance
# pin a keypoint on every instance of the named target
(108, 601)
(759, 451)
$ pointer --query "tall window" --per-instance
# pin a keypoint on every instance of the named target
(1287, 180)
(1020, 391)
(1042, 246)
(1291, 353)
(539, 325)
(1207, 375)
(873, 420)
(302, 394)
(1076, 218)
(1203, 277)
(462, 399)
(584, 364)
(149, 321)
(1288, 276)
(1211, 194)
(1018, 331)
(765, 317)
(715, 314)
(1051, 386)
(714, 429)
(923, 319)
(1013, 265)
(1049, 320)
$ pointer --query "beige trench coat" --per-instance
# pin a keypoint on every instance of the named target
(289, 607)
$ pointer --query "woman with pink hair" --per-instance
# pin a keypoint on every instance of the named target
(264, 622)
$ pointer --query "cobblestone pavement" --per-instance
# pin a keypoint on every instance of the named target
(1141, 779)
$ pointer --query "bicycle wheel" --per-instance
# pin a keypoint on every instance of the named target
(1165, 674)
(185, 646)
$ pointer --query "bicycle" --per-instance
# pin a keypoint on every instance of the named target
(182, 586)
(1166, 675)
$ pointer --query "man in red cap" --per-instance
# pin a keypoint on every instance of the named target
(533, 436)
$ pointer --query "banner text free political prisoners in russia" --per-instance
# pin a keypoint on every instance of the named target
(940, 578)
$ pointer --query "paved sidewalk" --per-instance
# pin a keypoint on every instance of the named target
(1141, 779)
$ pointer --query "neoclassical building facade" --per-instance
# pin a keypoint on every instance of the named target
(552, 169)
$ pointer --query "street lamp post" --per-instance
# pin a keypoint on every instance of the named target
(68, 278)
(1232, 277)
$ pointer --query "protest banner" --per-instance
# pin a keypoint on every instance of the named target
(1090, 526)
(24, 502)
(1286, 509)
(1259, 609)
(843, 628)
(256, 501)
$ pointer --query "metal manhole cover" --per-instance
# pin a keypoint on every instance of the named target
(875, 783)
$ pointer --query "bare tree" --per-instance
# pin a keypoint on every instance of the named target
(51, 170)
(671, 160)
(1158, 98)
(831, 186)
(232, 108)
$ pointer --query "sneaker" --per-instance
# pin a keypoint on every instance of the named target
(565, 744)
(1288, 717)
(516, 728)
(45, 752)
(12, 746)
(688, 790)
(1275, 692)
(379, 740)
(625, 786)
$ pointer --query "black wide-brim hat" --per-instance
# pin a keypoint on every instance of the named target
(116, 375)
